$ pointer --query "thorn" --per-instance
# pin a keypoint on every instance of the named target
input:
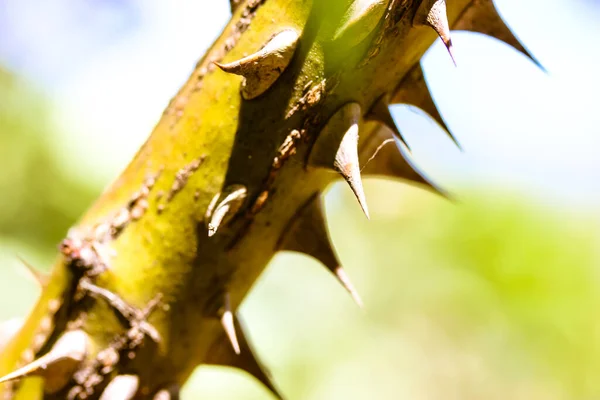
(450, 48)
(345, 281)
(224, 206)
(229, 326)
(58, 365)
(413, 90)
(307, 233)
(40, 278)
(121, 387)
(387, 158)
(433, 13)
(261, 69)
(483, 17)
(221, 353)
(380, 112)
(340, 135)
(346, 163)
(128, 314)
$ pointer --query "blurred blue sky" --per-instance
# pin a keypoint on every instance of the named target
(110, 68)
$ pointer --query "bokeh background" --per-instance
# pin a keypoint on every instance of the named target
(491, 296)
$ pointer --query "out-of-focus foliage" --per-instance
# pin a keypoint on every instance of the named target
(38, 200)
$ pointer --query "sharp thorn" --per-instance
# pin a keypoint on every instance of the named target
(433, 14)
(482, 17)
(450, 48)
(229, 326)
(337, 148)
(221, 353)
(380, 112)
(345, 281)
(40, 278)
(58, 365)
(261, 69)
(388, 158)
(413, 90)
(307, 233)
(223, 207)
(346, 163)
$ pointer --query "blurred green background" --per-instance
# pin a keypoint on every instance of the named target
(490, 296)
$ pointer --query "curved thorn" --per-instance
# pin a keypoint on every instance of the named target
(336, 148)
(413, 90)
(344, 279)
(229, 326)
(221, 353)
(482, 17)
(307, 233)
(433, 14)
(380, 112)
(387, 158)
(224, 206)
(346, 163)
(261, 69)
(58, 365)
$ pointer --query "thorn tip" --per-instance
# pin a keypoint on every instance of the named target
(40, 278)
(58, 365)
(345, 281)
(229, 325)
(482, 17)
(433, 13)
(307, 233)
